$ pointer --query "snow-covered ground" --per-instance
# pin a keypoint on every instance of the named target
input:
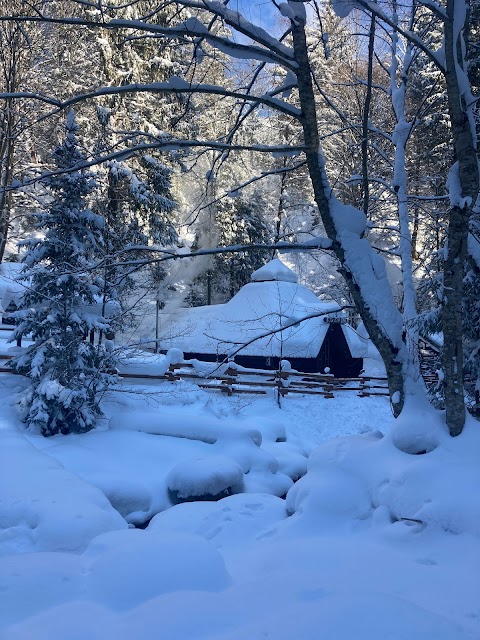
(374, 542)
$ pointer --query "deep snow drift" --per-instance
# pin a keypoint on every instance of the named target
(376, 540)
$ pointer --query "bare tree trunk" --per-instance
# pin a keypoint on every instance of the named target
(7, 149)
(416, 215)
(452, 321)
(281, 203)
(389, 352)
(366, 117)
(465, 149)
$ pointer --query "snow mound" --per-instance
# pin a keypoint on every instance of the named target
(359, 617)
(80, 597)
(128, 468)
(278, 484)
(206, 477)
(336, 495)
(205, 429)
(82, 619)
(44, 507)
(291, 463)
(416, 431)
(135, 568)
(24, 578)
(229, 522)
(359, 477)
(175, 356)
(130, 462)
(145, 363)
(345, 565)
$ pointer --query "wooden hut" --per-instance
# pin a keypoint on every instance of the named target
(248, 328)
(11, 290)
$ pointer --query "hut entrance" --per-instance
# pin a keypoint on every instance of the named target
(336, 355)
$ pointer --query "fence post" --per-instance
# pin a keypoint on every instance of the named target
(227, 386)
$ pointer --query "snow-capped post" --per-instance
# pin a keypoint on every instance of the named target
(68, 374)
(364, 271)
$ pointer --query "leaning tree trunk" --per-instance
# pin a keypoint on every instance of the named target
(393, 354)
(464, 140)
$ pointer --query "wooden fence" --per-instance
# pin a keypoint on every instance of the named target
(235, 381)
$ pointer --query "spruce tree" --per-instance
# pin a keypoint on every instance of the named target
(138, 207)
(60, 306)
(239, 220)
(242, 223)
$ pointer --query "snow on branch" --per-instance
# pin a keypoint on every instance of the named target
(27, 95)
(275, 52)
(136, 264)
(235, 20)
(174, 85)
(317, 242)
(166, 254)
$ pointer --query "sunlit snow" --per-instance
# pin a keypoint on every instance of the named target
(367, 544)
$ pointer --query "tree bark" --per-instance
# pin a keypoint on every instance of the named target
(456, 251)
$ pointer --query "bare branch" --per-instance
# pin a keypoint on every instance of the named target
(174, 86)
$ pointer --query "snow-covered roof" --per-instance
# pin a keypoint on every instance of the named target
(358, 346)
(10, 288)
(258, 308)
(275, 270)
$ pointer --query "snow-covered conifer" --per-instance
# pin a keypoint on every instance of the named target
(60, 306)
(138, 208)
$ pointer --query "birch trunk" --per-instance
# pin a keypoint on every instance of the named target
(400, 181)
